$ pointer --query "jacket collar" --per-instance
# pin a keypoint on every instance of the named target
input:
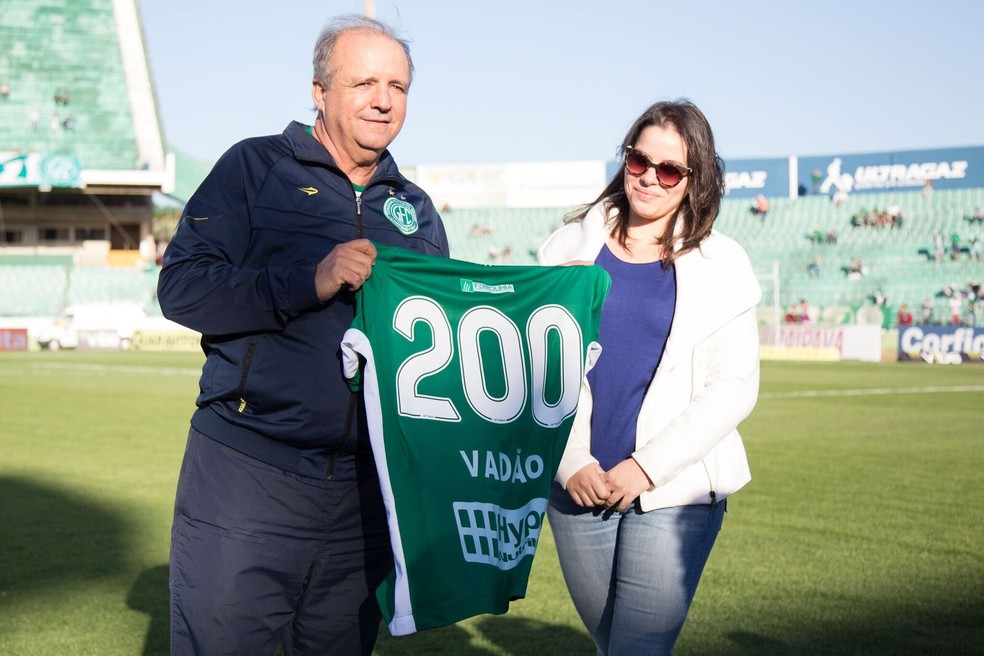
(306, 148)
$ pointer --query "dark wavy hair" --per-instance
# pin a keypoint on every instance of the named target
(705, 187)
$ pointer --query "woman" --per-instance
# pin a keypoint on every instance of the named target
(654, 450)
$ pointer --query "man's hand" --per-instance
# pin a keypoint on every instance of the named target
(347, 265)
(627, 481)
(588, 486)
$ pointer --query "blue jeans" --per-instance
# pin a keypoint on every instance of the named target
(632, 576)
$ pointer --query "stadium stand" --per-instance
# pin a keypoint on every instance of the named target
(898, 266)
(60, 101)
(896, 260)
(81, 146)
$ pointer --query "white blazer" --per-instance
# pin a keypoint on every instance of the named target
(707, 382)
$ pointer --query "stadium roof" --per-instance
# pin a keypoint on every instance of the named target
(75, 84)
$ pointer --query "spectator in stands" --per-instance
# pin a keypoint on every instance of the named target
(975, 302)
(894, 213)
(4, 88)
(802, 312)
(927, 188)
(926, 311)
(955, 245)
(860, 218)
(816, 267)
(903, 317)
(831, 237)
(856, 269)
(883, 219)
(279, 530)
(939, 247)
(633, 468)
(761, 206)
(816, 177)
(955, 305)
(977, 216)
(35, 119)
(974, 248)
(872, 218)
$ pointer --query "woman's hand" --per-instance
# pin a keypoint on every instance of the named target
(588, 486)
(627, 481)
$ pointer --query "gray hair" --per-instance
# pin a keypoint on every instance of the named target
(327, 40)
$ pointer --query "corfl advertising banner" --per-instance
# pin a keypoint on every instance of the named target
(941, 344)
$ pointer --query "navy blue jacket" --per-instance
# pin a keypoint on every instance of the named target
(240, 270)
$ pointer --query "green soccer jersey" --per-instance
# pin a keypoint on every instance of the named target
(472, 376)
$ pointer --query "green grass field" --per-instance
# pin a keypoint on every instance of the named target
(861, 532)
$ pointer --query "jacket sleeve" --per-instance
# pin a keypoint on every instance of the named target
(204, 284)
(577, 453)
(440, 235)
(723, 397)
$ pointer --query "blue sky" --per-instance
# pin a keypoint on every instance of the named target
(520, 81)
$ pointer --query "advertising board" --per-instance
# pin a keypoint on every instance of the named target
(941, 344)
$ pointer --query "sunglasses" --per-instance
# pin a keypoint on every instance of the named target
(668, 174)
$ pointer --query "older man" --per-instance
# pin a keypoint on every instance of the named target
(279, 532)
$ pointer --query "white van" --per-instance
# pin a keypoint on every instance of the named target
(93, 325)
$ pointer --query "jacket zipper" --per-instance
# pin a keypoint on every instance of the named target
(353, 399)
(349, 417)
(358, 216)
(241, 392)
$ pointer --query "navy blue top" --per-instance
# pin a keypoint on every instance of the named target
(635, 322)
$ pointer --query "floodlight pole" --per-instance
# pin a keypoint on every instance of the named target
(370, 8)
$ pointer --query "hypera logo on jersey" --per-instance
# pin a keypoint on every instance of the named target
(401, 214)
(497, 536)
